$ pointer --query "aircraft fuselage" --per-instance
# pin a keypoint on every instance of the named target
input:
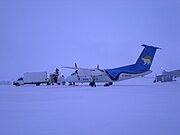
(104, 77)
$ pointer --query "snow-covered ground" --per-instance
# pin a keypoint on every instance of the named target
(133, 107)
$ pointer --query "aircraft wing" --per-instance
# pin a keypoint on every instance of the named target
(75, 68)
(86, 71)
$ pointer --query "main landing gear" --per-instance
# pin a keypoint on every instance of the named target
(108, 84)
(72, 84)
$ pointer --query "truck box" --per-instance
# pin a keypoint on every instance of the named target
(34, 77)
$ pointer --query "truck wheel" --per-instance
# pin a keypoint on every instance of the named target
(37, 84)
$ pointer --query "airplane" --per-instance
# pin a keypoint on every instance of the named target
(167, 76)
(108, 76)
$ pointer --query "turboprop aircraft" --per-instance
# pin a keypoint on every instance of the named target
(108, 76)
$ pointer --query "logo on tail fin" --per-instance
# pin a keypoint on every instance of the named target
(147, 60)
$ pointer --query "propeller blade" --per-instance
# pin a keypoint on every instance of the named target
(77, 71)
(75, 65)
(98, 66)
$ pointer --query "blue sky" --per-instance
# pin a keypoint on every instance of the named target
(40, 35)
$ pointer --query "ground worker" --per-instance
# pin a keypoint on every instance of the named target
(93, 83)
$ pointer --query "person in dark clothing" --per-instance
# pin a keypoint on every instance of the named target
(93, 82)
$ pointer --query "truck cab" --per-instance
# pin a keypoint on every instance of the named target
(19, 82)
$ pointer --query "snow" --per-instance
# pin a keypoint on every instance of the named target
(130, 107)
(5, 82)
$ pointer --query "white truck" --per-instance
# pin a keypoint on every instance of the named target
(33, 78)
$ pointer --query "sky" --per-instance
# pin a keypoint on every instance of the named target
(41, 35)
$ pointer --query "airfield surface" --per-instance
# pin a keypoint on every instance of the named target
(130, 107)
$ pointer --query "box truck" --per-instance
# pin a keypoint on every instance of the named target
(33, 78)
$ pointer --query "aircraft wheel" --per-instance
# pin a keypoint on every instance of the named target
(106, 85)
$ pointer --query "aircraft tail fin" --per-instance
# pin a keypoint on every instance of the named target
(145, 60)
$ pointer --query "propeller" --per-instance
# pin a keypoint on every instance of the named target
(77, 71)
(99, 68)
